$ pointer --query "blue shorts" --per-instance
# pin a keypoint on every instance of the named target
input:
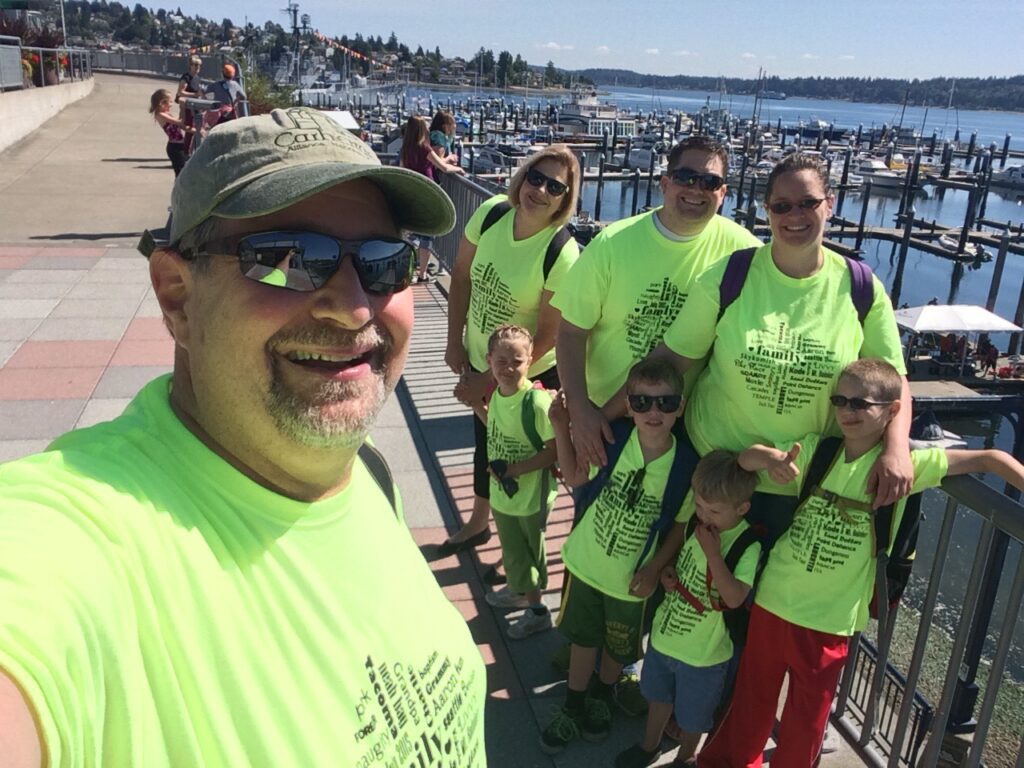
(694, 692)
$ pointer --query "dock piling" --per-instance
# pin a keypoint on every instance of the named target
(897, 281)
(971, 145)
(1006, 151)
(863, 214)
(600, 185)
(997, 271)
(636, 191)
(650, 182)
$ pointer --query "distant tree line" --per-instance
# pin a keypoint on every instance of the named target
(1006, 93)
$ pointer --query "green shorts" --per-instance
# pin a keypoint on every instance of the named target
(592, 619)
(522, 550)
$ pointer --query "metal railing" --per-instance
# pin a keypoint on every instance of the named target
(28, 66)
(467, 195)
(873, 709)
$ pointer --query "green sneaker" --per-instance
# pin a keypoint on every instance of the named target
(627, 695)
(560, 731)
(597, 720)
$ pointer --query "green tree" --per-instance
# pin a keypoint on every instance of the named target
(551, 76)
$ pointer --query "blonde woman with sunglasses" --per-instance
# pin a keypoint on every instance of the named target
(503, 274)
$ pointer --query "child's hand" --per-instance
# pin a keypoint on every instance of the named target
(558, 413)
(783, 468)
(669, 578)
(710, 540)
(644, 581)
(460, 392)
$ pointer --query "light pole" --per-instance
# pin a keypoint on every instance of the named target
(63, 28)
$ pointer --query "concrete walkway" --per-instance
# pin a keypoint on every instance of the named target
(80, 333)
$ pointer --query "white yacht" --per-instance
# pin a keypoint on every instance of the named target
(879, 174)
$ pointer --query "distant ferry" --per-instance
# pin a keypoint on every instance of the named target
(778, 95)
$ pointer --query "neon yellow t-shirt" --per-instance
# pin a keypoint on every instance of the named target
(507, 278)
(821, 572)
(778, 352)
(700, 639)
(603, 548)
(161, 609)
(507, 440)
(628, 288)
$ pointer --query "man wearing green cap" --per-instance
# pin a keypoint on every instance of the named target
(221, 575)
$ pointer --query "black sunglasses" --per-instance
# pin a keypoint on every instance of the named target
(686, 177)
(807, 204)
(537, 179)
(305, 261)
(855, 403)
(664, 403)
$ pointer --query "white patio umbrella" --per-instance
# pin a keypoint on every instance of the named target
(952, 318)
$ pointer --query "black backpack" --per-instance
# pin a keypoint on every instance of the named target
(558, 241)
(684, 461)
(892, 570)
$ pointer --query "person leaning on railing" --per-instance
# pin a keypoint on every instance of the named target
(499, 277)
(190, 86)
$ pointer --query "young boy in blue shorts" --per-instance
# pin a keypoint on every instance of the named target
(605, 591)
(688, 655)
(817, 585)
(521, 446)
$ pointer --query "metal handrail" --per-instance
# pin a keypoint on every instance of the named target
(999, 514)
(49, 66)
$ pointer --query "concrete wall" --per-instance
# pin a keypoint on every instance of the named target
(21, 112)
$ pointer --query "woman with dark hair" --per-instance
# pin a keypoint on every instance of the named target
(417, 155)
(513, 257)
(778, 347)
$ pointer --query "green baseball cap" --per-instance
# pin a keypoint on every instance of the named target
(258, 165)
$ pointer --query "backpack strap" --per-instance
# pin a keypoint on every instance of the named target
(739, 547)
(378, 468)
(585, 495)
(529, 420)
(734, 278)
(555, 247)
(862, 287)
(684, 461)
(493, 215)
(826, 453)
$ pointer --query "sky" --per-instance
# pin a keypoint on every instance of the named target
(789, 38)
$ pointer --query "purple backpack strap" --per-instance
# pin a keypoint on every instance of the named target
(862, 287)
(734, 278)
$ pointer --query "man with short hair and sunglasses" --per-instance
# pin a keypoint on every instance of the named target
(632, 280)
(221, 575)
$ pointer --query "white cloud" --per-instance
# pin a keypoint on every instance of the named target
(652, 51)
(748, 55)
(846, 57)
(552, 46)
(603, 49)
(685, 53)
(810, 56)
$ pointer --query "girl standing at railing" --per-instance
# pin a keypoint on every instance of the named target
(174, 127)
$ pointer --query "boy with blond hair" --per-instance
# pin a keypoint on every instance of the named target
(687, 660)
(817, 586)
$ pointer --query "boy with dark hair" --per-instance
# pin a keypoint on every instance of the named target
(687, 660)
(608, 576)
(817, 586)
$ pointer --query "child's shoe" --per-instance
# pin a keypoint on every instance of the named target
(560, 659)
(636, 757)
(529, 623)
(627, 695)
(597, 719)
(560, 731)
(506, 600)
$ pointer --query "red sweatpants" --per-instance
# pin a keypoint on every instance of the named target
(814, 661)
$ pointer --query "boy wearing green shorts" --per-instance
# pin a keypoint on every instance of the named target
(605, 593)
